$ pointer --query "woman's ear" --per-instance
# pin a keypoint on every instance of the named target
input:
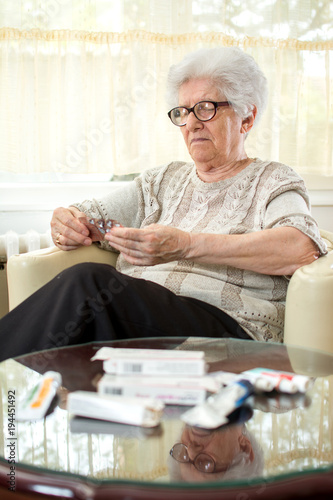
(246, 447)
(248, 122)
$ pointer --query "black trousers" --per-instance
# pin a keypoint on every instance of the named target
(94, 302)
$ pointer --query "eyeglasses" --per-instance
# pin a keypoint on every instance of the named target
(203, 111)
(202, 462)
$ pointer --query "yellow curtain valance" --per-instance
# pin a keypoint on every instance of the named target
(160, 38)
(83, 82)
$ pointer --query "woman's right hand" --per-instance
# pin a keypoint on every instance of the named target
(68, 233)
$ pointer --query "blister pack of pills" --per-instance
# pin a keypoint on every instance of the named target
(98, 227)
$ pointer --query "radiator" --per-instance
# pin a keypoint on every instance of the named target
(13, 243)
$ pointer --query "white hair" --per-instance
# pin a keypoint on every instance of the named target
(242, 467)
(236, 75)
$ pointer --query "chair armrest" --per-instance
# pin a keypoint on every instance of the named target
(309, 306)
(27, 272)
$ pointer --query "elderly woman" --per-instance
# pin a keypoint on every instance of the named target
(205, 247)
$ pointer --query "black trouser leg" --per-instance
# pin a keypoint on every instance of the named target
(94, 302)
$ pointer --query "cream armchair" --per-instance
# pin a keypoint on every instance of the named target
(27, 272)
(309, 307)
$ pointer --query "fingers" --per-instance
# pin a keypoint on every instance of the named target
(126, 242)
(127, 239)
(150, 245)
(67, 231)
(65, 243)
(134, 251)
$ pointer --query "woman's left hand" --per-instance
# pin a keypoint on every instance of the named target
(151, 245)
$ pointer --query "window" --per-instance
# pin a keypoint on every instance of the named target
(83, 82)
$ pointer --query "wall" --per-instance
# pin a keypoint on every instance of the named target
(324, 216)
(30, 206)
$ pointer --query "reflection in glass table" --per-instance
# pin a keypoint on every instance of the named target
(276, 446)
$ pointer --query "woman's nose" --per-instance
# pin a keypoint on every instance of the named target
(193, 123)
(193, 449)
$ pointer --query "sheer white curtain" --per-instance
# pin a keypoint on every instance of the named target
(82, 82)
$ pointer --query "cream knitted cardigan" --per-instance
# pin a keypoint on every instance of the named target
(263, 195)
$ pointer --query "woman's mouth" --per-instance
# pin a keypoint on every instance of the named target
(198, 140)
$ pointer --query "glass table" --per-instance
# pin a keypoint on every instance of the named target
(289, 439)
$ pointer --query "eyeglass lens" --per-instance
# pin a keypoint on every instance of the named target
(202, 462)
(204, 111)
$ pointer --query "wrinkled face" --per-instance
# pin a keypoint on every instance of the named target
(215, 142)
(223, 446)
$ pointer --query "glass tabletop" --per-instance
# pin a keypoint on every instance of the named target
(273, 439)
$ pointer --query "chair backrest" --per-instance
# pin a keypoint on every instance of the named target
(309, 303)
(328, 238)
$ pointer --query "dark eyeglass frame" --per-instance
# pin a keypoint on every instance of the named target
(192, 110)
(195, 461)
